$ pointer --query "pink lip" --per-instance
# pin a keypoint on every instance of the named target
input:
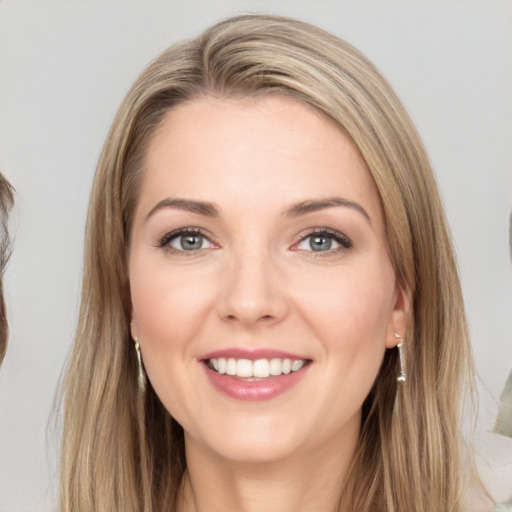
(251, 354)
(257, 390)
(254, 390)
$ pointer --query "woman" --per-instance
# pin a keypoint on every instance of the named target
(271, 317)
(6, 202)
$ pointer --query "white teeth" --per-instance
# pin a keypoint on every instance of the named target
(297, 365)
(276, 367)
(231, 366)
(261, 368)
(244, 368)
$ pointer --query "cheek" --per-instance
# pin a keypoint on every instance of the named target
(351, 301)
(351, 316)
(167, 307)
(168, 312)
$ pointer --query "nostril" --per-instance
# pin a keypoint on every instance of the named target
(250, 306)
(255, 318)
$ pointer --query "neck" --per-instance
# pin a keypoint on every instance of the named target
(305, 482)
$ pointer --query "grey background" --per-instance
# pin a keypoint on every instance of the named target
(64, 67)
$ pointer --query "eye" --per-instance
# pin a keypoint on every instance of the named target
(324, 241)
(318, 243)
(186, 240)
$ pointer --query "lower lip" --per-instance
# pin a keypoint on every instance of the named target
(255, 390)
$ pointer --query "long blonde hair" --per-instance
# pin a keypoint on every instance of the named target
(121, 449)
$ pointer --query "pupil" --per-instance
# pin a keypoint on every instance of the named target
(191, 242)
(320, 243)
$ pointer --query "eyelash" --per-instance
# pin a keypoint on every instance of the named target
(165, 241)
(344, 242)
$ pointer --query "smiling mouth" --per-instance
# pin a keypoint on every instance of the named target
(257, 369)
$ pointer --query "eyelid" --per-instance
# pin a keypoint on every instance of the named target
(345, 243)
(164, 241)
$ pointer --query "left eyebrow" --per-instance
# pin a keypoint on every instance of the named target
(189, 205)
(314, 205)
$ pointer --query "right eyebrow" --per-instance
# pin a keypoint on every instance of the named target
(309, 206)
(189, 205)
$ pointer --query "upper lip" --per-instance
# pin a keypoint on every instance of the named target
(251, 354)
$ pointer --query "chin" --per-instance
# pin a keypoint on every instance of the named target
(250, 440)
(262, 451)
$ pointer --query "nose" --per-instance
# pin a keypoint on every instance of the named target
(253, 292)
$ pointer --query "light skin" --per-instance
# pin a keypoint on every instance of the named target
(286, 250)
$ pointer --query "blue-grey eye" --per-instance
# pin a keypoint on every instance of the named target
(318, 243)
(189, 242)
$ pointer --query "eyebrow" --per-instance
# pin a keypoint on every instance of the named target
(199, 207)
(304, 207)
(301, 208)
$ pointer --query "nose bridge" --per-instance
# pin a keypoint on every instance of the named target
(252, 291)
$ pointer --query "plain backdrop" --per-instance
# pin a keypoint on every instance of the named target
(64, 67)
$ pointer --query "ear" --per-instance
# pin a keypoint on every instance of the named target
(399, 316)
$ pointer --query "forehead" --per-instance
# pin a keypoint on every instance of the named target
(270, 148)
(270, 121)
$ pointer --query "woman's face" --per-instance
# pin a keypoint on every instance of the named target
(263, 296)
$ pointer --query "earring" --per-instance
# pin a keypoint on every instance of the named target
(401, 377)
(141, 377)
